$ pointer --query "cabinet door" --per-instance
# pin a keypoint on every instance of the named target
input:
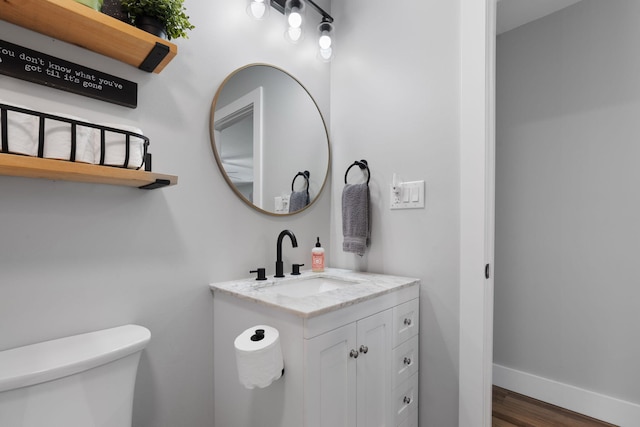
(375, 337)
(330, 379)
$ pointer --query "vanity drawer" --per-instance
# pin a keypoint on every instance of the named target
(406, 318)
(405, 361)
(405, 400)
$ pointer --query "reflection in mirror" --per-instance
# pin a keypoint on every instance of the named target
(269, 139)
(239, 143)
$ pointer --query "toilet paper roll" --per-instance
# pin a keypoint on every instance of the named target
(258, 356)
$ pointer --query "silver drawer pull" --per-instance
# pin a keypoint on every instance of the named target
(407, 361)
(364, 349)
(407, 321)
(353, 354)
(407, 400)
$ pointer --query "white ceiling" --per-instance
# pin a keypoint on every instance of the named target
(514, 13)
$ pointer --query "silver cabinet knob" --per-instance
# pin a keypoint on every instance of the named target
(407, 321)
(364, 349)
(407, 361)
(407, 400)
(353, 354)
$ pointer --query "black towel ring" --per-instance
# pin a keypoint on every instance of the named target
(304, 174)
(362, 164)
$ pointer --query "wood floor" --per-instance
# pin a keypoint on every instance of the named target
(512, 409)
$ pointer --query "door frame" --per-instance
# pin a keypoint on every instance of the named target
(477, 210)
(250, 104)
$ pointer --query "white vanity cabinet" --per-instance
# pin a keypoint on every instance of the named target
(365, 374)
(354, 364)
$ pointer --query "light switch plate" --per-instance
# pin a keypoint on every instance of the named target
(411, 196)
(281, 204)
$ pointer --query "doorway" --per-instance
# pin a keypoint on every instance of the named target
(567, 233)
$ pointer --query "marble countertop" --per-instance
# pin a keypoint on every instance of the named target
(362, 286)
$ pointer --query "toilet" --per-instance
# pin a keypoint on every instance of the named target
(83, 380)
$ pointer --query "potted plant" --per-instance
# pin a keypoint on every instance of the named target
(159, 17)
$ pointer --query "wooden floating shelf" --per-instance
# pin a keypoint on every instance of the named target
(35, 167)
(75, 23)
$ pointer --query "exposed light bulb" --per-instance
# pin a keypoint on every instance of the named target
(294, 11)
(326, 54)
(295, 19)
(294, 34)
(257, 9)
(325, 41)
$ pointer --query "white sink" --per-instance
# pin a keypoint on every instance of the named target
(310, 286)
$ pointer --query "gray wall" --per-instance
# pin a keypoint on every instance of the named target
(394, 102)
(567, 199)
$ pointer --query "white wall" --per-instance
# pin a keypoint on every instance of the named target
(394, 102)
(567, 200)
(78, 257)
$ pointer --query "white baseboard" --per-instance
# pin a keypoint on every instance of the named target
(599, 406)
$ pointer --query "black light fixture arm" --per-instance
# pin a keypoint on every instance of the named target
(325, 15)
(279, 6)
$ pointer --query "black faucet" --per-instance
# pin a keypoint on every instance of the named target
(294, 243)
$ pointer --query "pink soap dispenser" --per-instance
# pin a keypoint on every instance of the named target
(317, 258)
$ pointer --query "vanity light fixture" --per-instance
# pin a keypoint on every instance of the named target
(325, 41)
(294, 11)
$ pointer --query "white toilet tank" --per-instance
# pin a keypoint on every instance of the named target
(84, 380)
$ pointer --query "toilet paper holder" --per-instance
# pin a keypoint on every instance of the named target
(258, 336)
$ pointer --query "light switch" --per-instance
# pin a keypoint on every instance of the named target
(415, 194)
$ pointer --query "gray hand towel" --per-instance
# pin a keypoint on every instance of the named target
(298, 200)
(355, 218)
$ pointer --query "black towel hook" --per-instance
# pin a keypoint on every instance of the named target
(362, 164)
(304, 174)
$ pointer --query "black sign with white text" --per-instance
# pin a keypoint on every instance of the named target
(26, 64)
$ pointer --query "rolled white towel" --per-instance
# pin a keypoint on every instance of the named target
(22, 131)
(115, 147)
(57, 139)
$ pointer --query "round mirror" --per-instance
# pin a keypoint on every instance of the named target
(269, 139)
